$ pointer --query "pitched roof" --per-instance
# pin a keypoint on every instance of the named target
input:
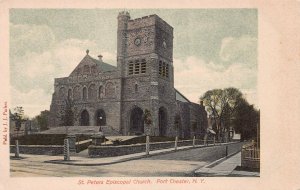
(100, 65)
(180, 97)
(103, 66)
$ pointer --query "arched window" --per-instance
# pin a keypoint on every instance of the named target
(76, 93)
(84, 93)
(70, 94)
(101, 94)
(109, 90)
(85, 118)
(92, 94)
(136, 88)
(100, 117)
(94, 70)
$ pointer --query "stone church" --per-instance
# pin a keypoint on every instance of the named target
(143, 80)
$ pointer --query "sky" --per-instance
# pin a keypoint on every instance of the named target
(213, 48)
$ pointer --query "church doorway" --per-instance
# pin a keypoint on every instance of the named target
(137, 121)
(100, 118)
(85, 118)
(162, 121)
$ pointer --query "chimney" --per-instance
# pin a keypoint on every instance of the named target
(100, 58)
(201, 102)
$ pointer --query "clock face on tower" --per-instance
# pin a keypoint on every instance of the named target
(137, 41)
(140, 41)
(149, 39)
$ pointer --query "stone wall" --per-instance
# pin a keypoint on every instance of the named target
(254, 164)
(83, 145)
(198, 120)
(101, 88)
(109, 151)
(143, 88)
(39, 149)
(183, 112)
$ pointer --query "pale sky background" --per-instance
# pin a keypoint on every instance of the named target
(213, 48)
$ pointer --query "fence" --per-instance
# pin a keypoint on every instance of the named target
(251, 156)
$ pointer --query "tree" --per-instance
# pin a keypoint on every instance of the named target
(42, 120)
(246, 121)
(67, 119)
(221, 104)
(18, 117)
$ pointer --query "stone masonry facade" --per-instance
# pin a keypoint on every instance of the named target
(105, 95)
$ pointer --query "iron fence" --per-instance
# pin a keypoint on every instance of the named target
(251, 151)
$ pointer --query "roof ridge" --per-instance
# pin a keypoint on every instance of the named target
(100, 62)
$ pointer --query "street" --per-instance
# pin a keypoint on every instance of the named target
(180, 163)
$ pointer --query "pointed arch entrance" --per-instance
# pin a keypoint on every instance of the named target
(85, 118)
(137, 121)
(162, 121)
(100, 117)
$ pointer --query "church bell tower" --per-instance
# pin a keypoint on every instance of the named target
(145, 61)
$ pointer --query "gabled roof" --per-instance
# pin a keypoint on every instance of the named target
(103, 66)
(180, 97)
(99, 65)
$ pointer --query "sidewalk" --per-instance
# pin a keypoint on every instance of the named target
(79, 160)
(225, 167)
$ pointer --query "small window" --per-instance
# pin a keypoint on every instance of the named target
(135, 88)
(136, 68)
(70, 93)
(143, 68)
(84, 93)
(160, 68)
(94, 70)
(163, 69)
(101, 94)
(130, 69)
(167, 70)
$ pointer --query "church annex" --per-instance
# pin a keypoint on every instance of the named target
(105, 95)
